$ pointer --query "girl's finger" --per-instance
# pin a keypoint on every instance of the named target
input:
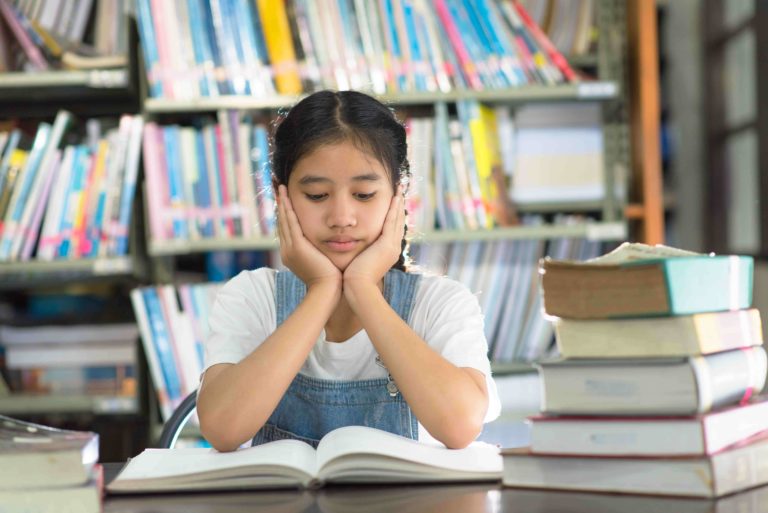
(282, 224)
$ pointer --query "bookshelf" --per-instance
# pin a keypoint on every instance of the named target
(589, 91)
(599, 231)
(615, 217)
(84, 81)
(92, 89)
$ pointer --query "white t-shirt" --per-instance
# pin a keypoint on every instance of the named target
(445, 314)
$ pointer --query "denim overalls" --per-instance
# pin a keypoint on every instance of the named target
(312, 407)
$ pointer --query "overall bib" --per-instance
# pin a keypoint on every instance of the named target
(312, 407)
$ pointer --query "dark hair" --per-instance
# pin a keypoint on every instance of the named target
(330, 117)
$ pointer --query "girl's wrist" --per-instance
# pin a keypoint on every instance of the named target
(323, 286)
(356, 289)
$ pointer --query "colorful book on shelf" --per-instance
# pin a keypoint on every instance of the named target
(157, 339)
(468, 67)
(149, 46)
(702, 434)
(552, 52)
(282, 56)
(347, 455)
(81, 162)
(32, 231)
(121, 222)
(640, 280)
(18, 201)
(146, 328)
(155, 177)
(734, 469)
(16, 21)
(682, 335)
(652, 386)
(251, 48)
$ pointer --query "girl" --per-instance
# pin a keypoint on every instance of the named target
(346, 336)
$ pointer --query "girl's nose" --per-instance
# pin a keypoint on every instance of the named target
(341, 213)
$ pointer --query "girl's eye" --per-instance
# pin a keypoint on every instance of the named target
(365, 196)
(316, 197)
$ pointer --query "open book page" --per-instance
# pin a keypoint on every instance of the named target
(283, 462)
(357, 453)
(634, 251)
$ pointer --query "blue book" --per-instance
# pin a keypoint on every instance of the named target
(487, 39)
(253, 49)
(129, 185)
(201, 187)
(149, 47)
(225, 34)
(212, 164)
(161, 339)
(418, 60)
(209, 31)
(175, 182)
(471, 41)
(200, 49)
(510, 66)
(76, 185)
(397, 54)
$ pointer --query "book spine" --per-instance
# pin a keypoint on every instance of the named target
(467, 65)
(162, 343)
(13, 20)
(554, 54)
(141, 311)
(274, 23)
(128, 187)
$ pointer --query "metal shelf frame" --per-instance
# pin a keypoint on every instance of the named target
(615, 230)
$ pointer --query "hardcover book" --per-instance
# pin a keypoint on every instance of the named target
(349, 455)
(639, 280)
(683, 335)
(654, 386)
(726, 472)
(648, 436)
(34, 456)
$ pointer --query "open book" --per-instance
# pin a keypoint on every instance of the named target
(352, 454)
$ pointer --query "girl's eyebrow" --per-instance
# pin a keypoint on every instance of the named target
(312, 179)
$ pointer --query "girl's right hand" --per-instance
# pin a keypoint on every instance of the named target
(297, 253)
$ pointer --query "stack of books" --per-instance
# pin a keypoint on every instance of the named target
(657, 388)
(48, 469)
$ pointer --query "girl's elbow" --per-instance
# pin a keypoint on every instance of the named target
(222, 435)
(220, 438)
(460, 434)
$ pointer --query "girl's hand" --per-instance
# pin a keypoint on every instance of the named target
(297, 253)
(372, 264)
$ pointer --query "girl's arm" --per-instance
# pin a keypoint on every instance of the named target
(449, 401)
(235, 400)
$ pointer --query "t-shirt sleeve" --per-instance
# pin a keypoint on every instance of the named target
(451, 321)
(242, 317)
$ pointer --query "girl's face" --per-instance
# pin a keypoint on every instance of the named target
(341, 196)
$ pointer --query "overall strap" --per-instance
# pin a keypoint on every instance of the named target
(399, 291)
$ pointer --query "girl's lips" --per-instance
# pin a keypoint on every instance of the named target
(337, 245)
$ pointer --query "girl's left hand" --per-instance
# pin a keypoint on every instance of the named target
(372, 264)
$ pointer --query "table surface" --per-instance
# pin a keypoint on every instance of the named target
(442, 498)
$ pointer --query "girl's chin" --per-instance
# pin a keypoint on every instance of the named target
(341, 262)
